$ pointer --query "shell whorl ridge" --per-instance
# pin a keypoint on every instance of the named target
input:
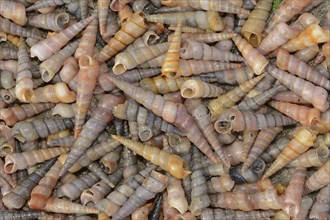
(164, 109)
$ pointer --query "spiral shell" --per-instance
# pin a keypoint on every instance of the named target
(50, 21)
(14, 11)
(319, 179)
(321, 206)
(194, 88)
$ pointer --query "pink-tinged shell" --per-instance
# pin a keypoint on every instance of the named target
(289, 96)
(308, 53)
(69, 70)
(277, 37)
(305, 204)
(50, 46)
(50, 21)
(295, 66)
(320, 209)
(319, 179)
(307, 90)
(194, 88)
(304, 115)
(253, 57)
(305, 20)
(14, 11)
(65, 206)
(256, 22)
(53, 93)
(294, 191)
(133, 28)
(208, 37)
(176, 196)
(303, 140)
(312, 35)
(286, 12)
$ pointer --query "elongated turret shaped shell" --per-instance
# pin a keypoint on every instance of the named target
(253, 57)
(313, 157)
(14, 11)
(14, 29)
(169, 162)
(319, 179)
(65, 206)
(194, 88)
(50, 21)
(50, 46)
(302, 141)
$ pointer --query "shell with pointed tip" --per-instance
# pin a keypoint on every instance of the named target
(93, 127)
(176, 197)
(253, 57)
(227, 100)
(315, 157)
(58, 92)
(87, 76)
(64, 206)
(169, 162)
(19, 113)
(321, 206)
(304, 115)
(39, 128)
(153, 184)
(191, 49)
(50, 21)
(200, 114)
(302, 141)
(172, 56)
(14, 11)
(16, 198)
(87, 42)
(195, 19)
(20, 161)
(235, 120)
(107, 19)
(53, 64)
(295, 66)
(112, 203)
(308, 91)
(289, 96)
(199, 196)
(277, 37)
(286, 12)
(214, 5)
(41, 193)
(262, 141)
(275, 149)
(46, 48)
(228, 214)
(133, 28)
(248, 140)
(312, 35)
(247, 201)
(171, 112)
(294, 191)
(129, 60)
(319, 179)
(256, 22)
(194, 88)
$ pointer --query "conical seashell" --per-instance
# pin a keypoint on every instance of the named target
(163, 85)
(207, 5)
(169, 162)
(209, 37)
(235, 120)
(256, 22)
(53, 93)
(129, 60)
(53, 64)
(19, 113)
(313, 157)
(14, 11)
(170, 112)
(194, 88)
(14, 29)
(50, 21)
(305, 115)
(319, 179)
(286, 12)
(225, 101)
(64, 206)
(87, 75)
(295, 66)
(50, 46)
(20, 161)
(321, 206)
(87, 41)
(255, 59)
(18, 214)
(308, 91)
(277, 37)
(133, 28)
(303, 140)
(275, 149)
(294, 191)
(312, 35)
(172, 56)
(289, 96)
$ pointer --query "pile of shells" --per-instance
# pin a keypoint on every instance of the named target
(164, 109)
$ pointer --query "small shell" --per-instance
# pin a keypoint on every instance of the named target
(319, 179)
(320, 208)
(14, 11)
(50, 21)
(194, 88)
(313, 157)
